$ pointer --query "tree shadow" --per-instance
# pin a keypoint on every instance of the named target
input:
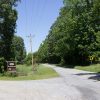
(66, 66)
(81, 74)
(95, 76)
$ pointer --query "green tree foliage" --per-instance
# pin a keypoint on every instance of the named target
(19, 49)
(75, 35)
(28, 59)
(8, 17)
(2, 60)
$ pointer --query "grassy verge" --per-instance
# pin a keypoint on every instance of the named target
(26, 73)
(91, 68)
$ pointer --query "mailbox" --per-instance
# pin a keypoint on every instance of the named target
(11, 66)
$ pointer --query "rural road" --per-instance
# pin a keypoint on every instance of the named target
(71, 85)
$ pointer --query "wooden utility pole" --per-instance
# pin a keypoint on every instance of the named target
(30, 36)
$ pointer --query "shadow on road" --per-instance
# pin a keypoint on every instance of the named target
(94, 76)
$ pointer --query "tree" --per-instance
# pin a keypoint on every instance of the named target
(28, 59)
(19, 49)
(8, 17)
(43, 52)
(75, 35)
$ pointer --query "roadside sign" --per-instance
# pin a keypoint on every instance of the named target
(91, 58)
(11, 66)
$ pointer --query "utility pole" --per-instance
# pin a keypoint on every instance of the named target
(30, 37)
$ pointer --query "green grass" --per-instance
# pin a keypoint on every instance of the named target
(91, 68)
(26, 73)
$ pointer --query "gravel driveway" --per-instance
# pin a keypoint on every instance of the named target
(71, 85)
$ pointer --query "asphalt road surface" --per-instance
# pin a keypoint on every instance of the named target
(71, 85)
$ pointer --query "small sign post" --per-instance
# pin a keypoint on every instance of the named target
(91, 59)
(11, 66)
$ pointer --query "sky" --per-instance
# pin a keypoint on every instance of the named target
(36, 17)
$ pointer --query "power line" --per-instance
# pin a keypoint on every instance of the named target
(37, 11)
(26, 18)
(41, 12)
(34, 10)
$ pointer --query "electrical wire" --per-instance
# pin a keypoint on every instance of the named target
(38, 11)
(42, 12)
(34, 15)
(26, 18)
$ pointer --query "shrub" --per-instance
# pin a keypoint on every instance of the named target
(11, 74)
(2, 61)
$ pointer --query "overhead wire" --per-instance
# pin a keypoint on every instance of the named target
(38, 12)
(35, 18)
(42, 12)
(32, 19)
(34, 14)
(26, 18)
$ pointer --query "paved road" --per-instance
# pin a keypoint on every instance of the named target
(71, 85)
(88, 89)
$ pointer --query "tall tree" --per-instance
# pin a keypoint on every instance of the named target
(75, 35)
(8, 17)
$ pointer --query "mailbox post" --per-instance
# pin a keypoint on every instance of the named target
(11, 66)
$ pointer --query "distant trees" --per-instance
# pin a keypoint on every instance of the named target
(28, 59)
(75, 35)
(19, 49)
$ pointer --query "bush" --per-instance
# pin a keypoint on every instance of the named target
(2, 61)
(11, 74)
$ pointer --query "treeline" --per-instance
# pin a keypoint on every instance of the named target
(11, 46)
(75, 36)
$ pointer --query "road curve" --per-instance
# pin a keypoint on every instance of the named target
(69, 86)
(88, 89)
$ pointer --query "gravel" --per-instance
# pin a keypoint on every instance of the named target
(69, 86)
